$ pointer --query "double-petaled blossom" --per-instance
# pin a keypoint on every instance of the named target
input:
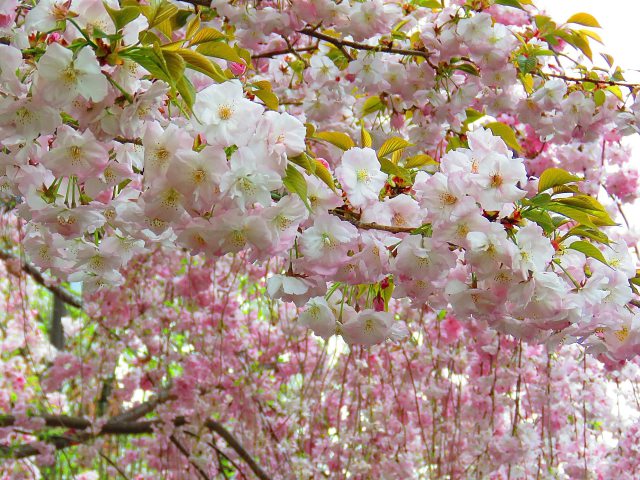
(224, 116)
(76, 153)
(62, 75)
(360, 176)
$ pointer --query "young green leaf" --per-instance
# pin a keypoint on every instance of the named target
(505, 132)
(589, 250)
(585, 19)
(552, 177)
(295, 182)
(339, 139)
(392, 145)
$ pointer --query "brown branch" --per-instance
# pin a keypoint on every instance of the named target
(342, 215)
(124, 424)
(135, 141)
(284, 51)
(200, 3)
(185, 452)
(37, 276)
(237, 446)
(340, 43)
(592, 80)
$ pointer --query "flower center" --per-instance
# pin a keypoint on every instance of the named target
(363, 176)
(75, 152)
(447, 199)
(496, 180)
(225, 112)
(622, 334)
(198, 176)
(69, 75)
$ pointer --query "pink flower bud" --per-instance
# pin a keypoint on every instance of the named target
(237, 68)
(397, 120)
(378, 304)
(323, 162)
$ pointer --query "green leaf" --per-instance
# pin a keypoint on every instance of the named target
(206, 34)
(507, 134)
(589, 250)
(552, 177)
(526, 64)
(391, 145)
(428, 3)
(593, 234)
(585, 19)
(578, 40)
(163, 11)
(175, 65)
(365, 138)
(371, 105)
(294, 182)
(197, 61)
(325, 175)
(390, 168)
(468, 68)
(187, 91)
(149, 60)
(509, 3)
(122, 17)
(339, 139)
(268, 98)
(219, 50)
(599, 97)
(542, 218)
(576, 214)
(420, 160)
(305, 161)
(192, 27)
(472, 115)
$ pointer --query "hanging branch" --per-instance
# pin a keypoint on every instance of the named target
(126, 423)
(31, 270)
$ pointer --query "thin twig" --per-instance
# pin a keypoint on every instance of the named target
(340, 43)
(185, 452)
(596, 81)
(37, 276)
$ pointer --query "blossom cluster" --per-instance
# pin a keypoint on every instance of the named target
(125, 129)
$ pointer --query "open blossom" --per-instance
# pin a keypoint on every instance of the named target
(369, 327)
(319, 317)
(76, 153)
(360, 176)
(249, 180)
(197, 176)
(224, 115)
(498, 177)
(63, 75)
(26, 119)
(535, 250)
(285, 134)
(327, 241)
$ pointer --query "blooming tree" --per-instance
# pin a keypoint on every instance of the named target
(372, 239)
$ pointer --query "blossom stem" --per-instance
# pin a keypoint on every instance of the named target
(340, 43)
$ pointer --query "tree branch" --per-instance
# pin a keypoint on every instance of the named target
(340, 43)
(369, 226)
(34, 273)
(591, 80)
(185, 452)
(124, 424)
(240, 450)
(284, 51)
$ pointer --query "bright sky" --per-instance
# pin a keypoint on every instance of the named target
(619, 20)
(620, 33)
